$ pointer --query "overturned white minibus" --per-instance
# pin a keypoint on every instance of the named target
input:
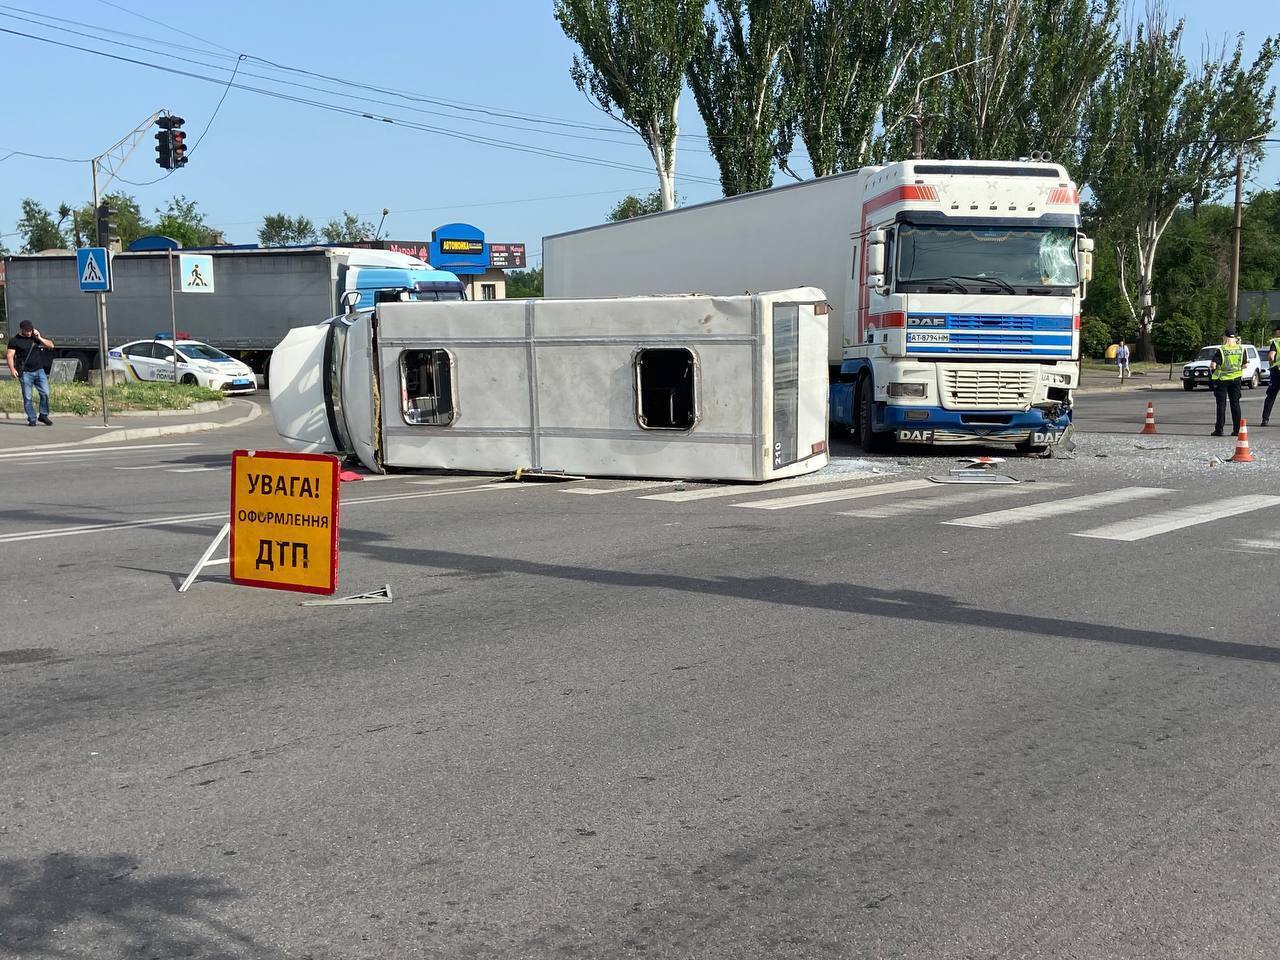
(684, 387)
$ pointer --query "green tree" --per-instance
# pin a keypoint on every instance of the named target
(524, 284)
(632, 206)
(632, 67)
(1095, 337)
(282, 230)
(38, 228)
(348, 229)
(183, 220)
(1178, 338)
(1038, 62)
(735, 74)
(126, 217)
(1162, 134)
(846, 58)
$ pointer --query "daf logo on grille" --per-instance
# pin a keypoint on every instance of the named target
(928, 322)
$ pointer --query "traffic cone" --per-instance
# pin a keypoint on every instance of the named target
(1149, 426)
(1242, 454)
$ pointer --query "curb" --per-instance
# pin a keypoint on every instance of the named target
(204, 406)
(143, 433)
(1161, 385)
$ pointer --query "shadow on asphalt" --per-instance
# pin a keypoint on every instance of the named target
(905, 605)
(67, 905)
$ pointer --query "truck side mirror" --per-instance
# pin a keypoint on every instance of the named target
(349, 300)
(875, 258)
(1084, 254)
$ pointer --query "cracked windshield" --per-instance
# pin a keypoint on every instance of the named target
(1019, 258)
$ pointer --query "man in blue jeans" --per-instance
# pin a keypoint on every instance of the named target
(26, 363)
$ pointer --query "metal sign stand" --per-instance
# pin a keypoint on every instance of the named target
(373, 596)
(204, 560)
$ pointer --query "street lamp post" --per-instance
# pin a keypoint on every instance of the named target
(917, 108)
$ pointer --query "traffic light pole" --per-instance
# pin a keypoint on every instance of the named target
(101, 298)
(109, 162)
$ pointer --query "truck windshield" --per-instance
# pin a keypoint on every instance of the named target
(1012, 259)
(438, 295)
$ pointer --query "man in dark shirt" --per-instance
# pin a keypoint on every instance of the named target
(26, 364)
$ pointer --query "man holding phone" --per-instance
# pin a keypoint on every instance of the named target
(26, 364)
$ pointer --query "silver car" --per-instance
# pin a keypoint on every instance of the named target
(1196, 373)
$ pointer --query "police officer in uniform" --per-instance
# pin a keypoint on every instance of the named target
(1225, 369)
(1273, 387)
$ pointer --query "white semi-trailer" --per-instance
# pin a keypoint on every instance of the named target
(955, 287)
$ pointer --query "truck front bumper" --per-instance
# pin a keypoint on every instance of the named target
(935, 425)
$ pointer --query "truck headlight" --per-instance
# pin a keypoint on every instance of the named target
(912, 390)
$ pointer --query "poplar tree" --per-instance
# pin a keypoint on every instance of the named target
(1161, 134)
(634, 54)
(844, 60)
(735, 74)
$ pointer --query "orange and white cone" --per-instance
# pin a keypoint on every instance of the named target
(1242, 454)
(1149, 426)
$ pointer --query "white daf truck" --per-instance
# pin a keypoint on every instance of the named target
(955, 287)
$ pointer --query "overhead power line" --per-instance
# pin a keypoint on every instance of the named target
(460, 107)
(354, 112)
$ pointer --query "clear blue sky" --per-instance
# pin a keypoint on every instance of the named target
(264, 155)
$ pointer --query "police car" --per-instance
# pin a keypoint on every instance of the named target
(1254, 373)
(198, 363)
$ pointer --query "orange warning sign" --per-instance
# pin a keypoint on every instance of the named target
(284, 520)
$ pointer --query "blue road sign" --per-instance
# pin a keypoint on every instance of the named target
(93, 267)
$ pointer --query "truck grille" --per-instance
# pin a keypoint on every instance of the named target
(976, 388)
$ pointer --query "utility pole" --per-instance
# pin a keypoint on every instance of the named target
(1233, 291)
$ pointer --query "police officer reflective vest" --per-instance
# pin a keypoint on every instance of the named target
(1274, 346)
(1232, 365)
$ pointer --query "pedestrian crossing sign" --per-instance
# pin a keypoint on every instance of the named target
(93, 267)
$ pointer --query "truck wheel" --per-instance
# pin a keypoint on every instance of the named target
(1188, 385)
(868, 439)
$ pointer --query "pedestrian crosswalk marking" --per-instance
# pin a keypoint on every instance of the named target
(596, 491)
(1139, 528)
(828, 496)
(1056, 508)
(898, 508)
(740, 489)
(1255, 546)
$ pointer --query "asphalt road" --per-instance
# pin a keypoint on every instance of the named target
(861, 715)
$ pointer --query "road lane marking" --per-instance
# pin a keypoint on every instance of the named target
(899, 508)
(1253, 546)
(828, 496)
(743, 489)
(436, 481)
(1154, 524)
(220, 515)
(81, 451)
(1056, 508)
(629, 488)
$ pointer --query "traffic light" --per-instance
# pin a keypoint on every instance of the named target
(107, 235)
(171, 143)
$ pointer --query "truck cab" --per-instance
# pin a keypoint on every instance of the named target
(380, 284)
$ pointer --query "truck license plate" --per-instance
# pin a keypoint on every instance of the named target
(928, 338)
(915, 436)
